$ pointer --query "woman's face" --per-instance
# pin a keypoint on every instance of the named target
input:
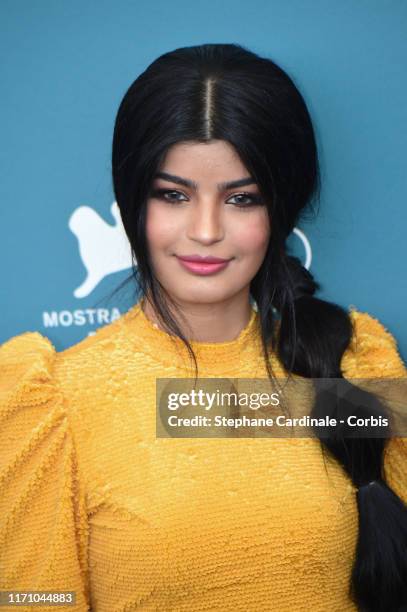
(192, 212)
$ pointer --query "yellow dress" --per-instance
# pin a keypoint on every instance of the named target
(92, 502)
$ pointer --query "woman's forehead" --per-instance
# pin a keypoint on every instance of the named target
(205, 159)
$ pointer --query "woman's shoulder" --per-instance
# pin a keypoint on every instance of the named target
(374, 354)
(47, 394)
(26, 370)
(373, 350)
(31, 365)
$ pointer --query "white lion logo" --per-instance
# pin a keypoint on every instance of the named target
(104, 248)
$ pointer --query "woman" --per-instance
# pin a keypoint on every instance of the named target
(214, 155)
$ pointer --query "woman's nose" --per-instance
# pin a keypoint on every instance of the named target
(205, 223)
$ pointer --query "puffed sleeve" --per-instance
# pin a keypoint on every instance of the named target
(43, 518)
(373, 354)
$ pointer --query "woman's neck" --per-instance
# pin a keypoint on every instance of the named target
(212, 322)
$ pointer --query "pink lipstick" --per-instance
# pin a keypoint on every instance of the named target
(203, 265)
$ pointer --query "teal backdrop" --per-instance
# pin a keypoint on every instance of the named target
(65, 67)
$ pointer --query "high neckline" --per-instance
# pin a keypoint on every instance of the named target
(212, 357)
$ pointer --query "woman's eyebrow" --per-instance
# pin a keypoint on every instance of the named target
(193, 185)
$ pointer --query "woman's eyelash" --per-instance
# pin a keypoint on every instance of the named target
(255, 199)
(162, 193)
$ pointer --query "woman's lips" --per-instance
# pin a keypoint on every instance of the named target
(203, 268)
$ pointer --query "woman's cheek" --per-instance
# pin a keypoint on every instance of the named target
(159, 227)
(254, 234)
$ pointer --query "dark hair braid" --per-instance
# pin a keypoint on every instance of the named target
(323, 331)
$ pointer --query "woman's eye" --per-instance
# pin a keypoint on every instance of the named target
(169, 195)
(245, 200)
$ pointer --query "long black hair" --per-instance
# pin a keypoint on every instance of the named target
(226, 92)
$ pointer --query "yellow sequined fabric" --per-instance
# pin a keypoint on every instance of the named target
(92, 502)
